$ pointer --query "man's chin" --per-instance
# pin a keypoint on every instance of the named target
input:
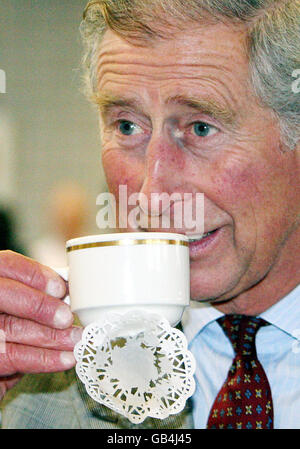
(211, 294)
(211, 300)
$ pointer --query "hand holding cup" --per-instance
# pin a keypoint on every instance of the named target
(36, 329)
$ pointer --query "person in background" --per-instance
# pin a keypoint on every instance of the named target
(67, 212)
(9, 239)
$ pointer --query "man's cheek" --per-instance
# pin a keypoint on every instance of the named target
(121, 171)
(234, 184)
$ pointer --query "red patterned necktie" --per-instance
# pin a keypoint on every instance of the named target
(245, 400)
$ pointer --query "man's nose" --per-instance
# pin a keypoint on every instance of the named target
(163, 171)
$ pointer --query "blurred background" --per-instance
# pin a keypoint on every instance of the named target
(50, 169)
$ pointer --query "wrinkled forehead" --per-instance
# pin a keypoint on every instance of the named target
(189, 44)
(214, 58)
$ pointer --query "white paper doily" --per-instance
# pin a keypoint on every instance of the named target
(137, 365)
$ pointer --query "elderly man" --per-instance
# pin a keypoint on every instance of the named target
(193, 97)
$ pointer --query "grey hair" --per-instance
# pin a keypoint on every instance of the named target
(273, 37)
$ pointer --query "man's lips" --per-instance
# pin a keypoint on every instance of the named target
(196, 237)
(199, 244)
(205, 243)
(192, 236)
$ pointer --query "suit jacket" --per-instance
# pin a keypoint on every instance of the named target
(60, 401)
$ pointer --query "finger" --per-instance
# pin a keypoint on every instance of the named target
(27, 271)
(6, 383)
(25, 302)
(27, 359)
(18, 330)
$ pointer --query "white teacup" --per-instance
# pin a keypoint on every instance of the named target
(119, 272)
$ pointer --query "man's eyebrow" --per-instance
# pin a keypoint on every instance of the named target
(207, 107)
(107, 101)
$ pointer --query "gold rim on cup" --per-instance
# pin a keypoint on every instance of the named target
(127, 242)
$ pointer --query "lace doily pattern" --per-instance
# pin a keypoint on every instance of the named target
(137, 365)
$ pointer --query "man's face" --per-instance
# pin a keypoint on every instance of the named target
(181, 116)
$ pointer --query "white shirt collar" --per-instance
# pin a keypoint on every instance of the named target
(285, 315)
(197, 317)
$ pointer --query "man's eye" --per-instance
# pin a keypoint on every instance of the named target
(128, 128)
(202, 129)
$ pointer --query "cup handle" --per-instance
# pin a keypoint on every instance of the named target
(64, 273)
